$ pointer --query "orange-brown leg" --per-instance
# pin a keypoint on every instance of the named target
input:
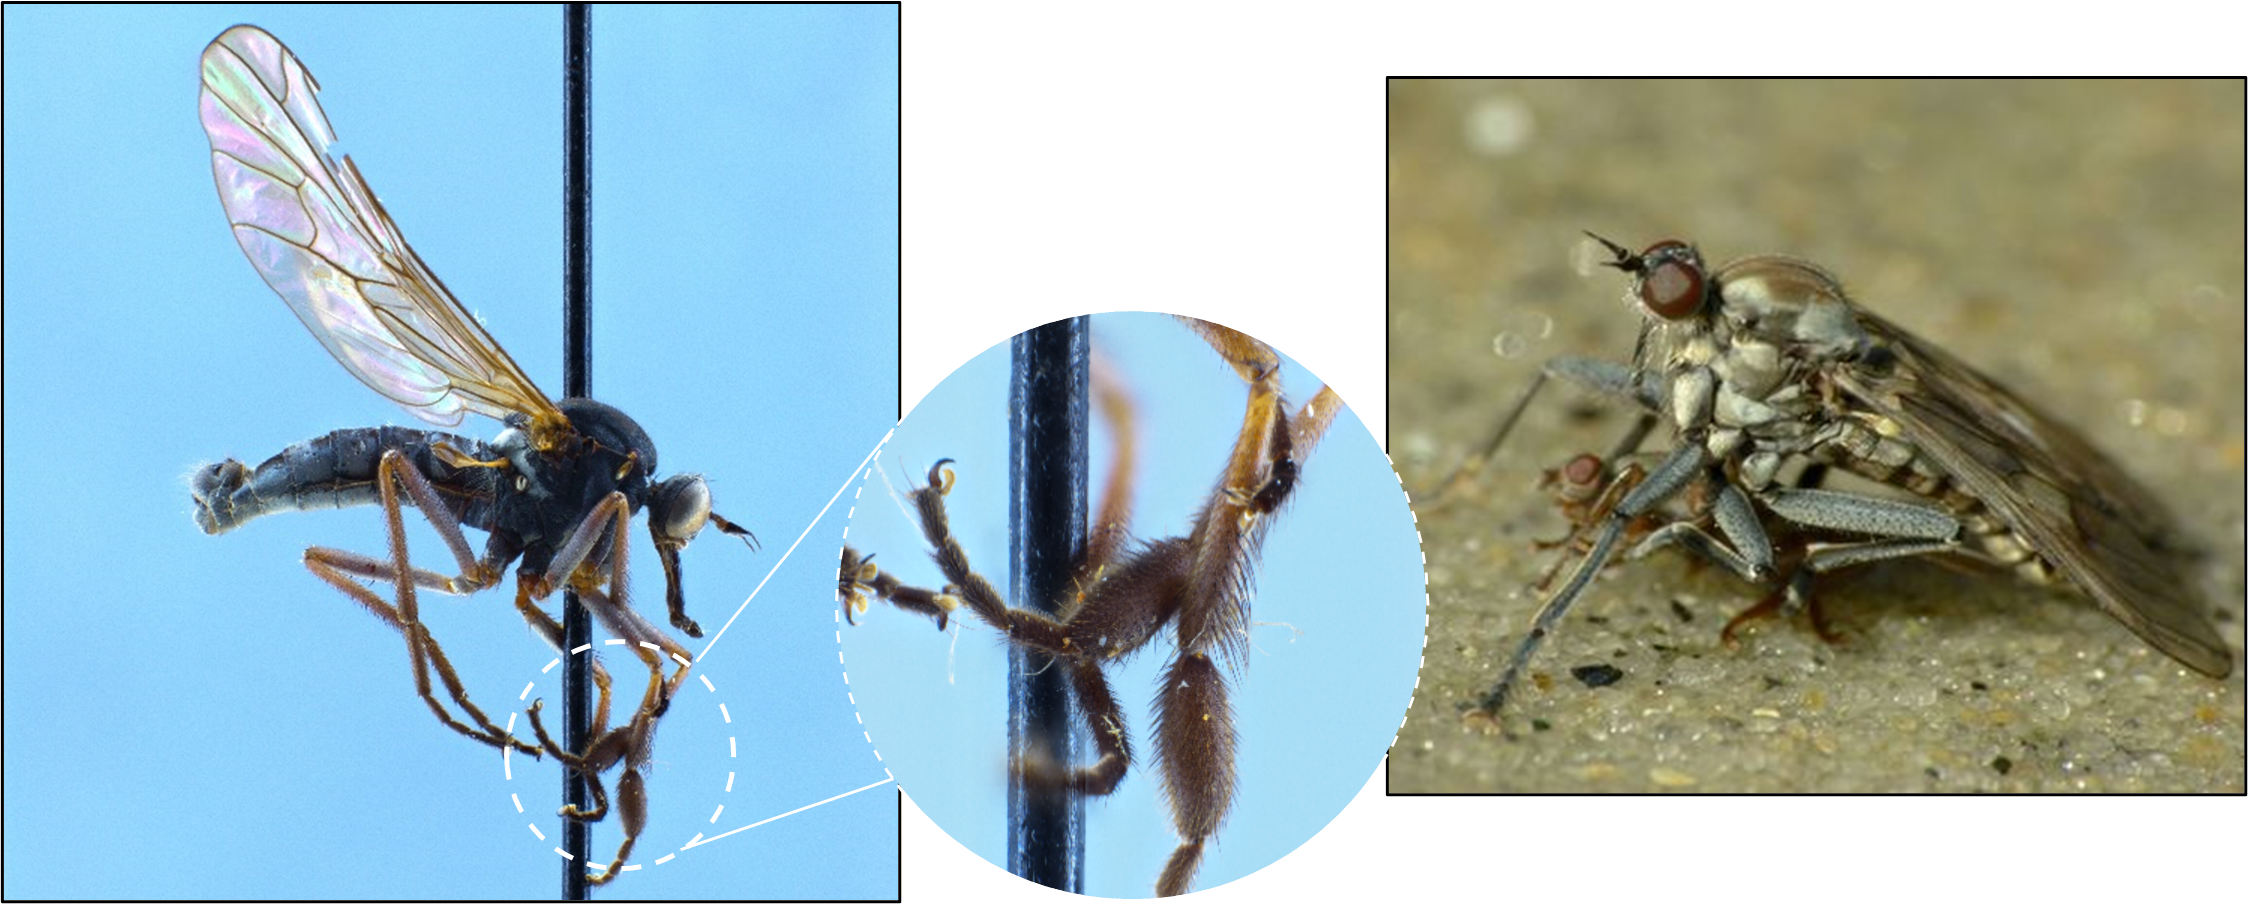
(338, 569)
(1195, 737)
(858, 581)
(611, 520)
(1797, 590)
(606, 749)
(630, 744)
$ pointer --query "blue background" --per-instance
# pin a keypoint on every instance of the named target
(192, 716)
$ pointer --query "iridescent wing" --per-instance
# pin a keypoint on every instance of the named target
(2075, 507)
(314, 230)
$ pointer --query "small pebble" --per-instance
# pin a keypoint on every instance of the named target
(1599, 675)
(1671, 778)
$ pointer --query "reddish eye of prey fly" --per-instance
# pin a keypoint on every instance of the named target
(1671, 281)
(1581, 478)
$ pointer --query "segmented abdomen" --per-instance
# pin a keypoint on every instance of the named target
(337, 470)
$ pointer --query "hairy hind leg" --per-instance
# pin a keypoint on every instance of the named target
(338, 568)
(1194, 742)
(631, 743)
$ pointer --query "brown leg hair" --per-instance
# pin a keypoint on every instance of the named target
(609, 521)
(338, 568)
(1199, 584)
(630, 744)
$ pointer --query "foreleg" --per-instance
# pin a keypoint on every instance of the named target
(859, 579)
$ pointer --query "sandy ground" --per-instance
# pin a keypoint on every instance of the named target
(2081, 242)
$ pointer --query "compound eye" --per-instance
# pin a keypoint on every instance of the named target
(1580, 478)
(678, 508)
(1672, 282)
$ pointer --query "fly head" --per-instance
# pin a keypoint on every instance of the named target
(1668, 278)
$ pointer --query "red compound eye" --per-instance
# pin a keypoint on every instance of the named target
(1579, 479)
(1672, 282)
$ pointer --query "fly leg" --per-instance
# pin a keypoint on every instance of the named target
(1902, 529)
(1124, 607)
(859, 580)
(339, 568)
(1790, 594)
(1194, 742)
(1821, 562)
(607, 530)
(1586, 492)
(1899, 530)
(1895, 529)
(1605, 378)
(1678, 470)
(606, 749)
(1585, 489)
(1201, 583)
(1746, 550)
(1131, 592)
(631, 743)
(549, 629)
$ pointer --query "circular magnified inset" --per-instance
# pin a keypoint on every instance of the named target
(1267, 589)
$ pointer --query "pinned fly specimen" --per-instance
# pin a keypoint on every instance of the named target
(1768, 375)
(555, 490)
